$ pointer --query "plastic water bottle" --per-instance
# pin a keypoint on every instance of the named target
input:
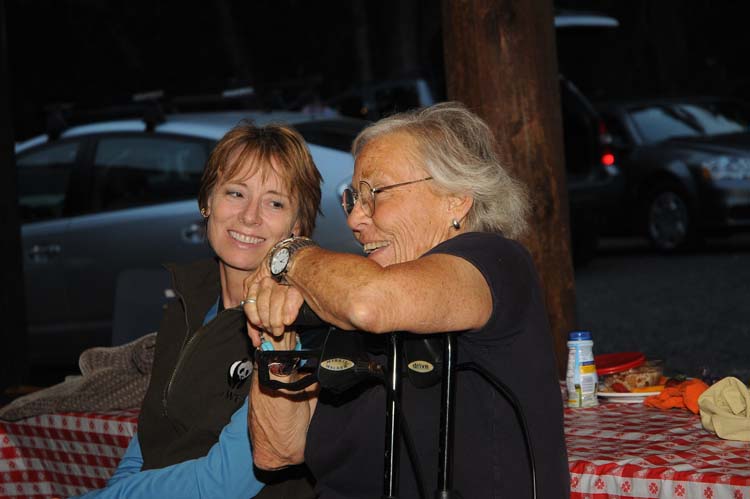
(581, 379)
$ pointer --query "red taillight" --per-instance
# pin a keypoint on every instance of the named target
(608, 159)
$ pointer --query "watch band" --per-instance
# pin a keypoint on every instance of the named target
(292, 245)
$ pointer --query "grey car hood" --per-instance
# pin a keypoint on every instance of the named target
(734, 143)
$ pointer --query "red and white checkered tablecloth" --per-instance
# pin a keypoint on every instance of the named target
(624, 451)
(615, 451)
(60, 455)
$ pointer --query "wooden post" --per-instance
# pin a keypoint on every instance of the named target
(500, 61)
(13, 352)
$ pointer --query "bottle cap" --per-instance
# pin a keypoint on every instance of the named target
(579, 335)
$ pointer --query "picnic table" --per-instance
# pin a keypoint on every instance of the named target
(626, 451)
(615, 451)
(60, 455)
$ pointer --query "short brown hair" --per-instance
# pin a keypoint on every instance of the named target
(260, 145)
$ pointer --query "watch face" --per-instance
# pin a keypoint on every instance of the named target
(279, 260)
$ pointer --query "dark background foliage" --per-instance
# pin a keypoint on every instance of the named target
(96, 54)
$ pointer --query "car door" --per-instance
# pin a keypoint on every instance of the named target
(143, 213)
(46, 184)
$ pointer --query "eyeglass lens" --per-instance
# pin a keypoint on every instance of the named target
(365, 196)
(347, 200)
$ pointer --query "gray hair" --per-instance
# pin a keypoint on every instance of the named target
(458, 151)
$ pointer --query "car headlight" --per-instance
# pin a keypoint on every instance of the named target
(727, 168)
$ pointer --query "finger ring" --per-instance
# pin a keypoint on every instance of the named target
(249, 300)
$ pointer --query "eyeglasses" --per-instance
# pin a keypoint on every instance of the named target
(366, 195)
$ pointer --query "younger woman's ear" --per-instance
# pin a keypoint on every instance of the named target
(296, 228)
(206, 208)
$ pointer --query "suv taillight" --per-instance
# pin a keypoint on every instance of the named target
(605, 139)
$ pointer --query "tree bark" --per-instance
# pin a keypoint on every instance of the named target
(501, 62)
(14, 349)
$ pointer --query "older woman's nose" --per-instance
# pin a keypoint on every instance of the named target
(356, 216)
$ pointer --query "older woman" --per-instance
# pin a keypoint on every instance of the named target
(259, 186)
(436, 215)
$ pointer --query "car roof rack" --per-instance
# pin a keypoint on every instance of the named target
(151, 107)
(62, 116)
(568, 18)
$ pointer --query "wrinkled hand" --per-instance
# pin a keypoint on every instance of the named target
(276, 306)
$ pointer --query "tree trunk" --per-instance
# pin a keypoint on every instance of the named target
(13, 352)
(500, 61)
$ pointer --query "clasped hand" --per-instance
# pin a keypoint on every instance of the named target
(270, 307)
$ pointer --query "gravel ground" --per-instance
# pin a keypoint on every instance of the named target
(692, 310)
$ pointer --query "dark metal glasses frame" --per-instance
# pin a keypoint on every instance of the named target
(350, 197)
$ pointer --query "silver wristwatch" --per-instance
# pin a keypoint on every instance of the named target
(281, 255)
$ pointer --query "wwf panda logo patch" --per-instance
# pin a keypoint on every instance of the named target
(239, 371)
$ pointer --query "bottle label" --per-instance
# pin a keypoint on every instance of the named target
(582, 381)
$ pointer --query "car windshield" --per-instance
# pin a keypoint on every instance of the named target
(662, 122)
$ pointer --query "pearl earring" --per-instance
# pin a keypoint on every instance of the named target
(456, 224)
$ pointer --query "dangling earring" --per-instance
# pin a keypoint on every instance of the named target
(456, 224)
(204, 213)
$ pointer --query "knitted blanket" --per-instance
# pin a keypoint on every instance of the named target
(111, 378)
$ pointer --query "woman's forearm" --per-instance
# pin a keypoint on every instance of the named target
(352, 292)
(278, 424)
(338, 286)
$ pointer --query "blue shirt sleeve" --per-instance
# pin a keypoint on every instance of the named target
(226, 471)
(130, 464)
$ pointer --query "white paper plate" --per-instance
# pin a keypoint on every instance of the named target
(625, 398)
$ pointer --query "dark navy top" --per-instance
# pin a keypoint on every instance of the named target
(345, 443)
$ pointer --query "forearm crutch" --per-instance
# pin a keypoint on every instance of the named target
(392, 415)
(447, 403)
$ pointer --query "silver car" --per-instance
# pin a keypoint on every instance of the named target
(105, 204)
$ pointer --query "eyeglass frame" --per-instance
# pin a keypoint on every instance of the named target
(373, 191)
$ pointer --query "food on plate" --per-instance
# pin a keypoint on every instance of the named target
(644, 378)
(648, 389)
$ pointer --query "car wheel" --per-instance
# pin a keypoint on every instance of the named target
(669, 221)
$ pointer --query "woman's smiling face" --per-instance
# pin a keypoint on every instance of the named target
(248, 214)
(408, 220)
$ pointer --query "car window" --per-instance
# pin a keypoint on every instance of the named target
(44, 180)
(657, 123)
(714, 120)
(137, 171)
